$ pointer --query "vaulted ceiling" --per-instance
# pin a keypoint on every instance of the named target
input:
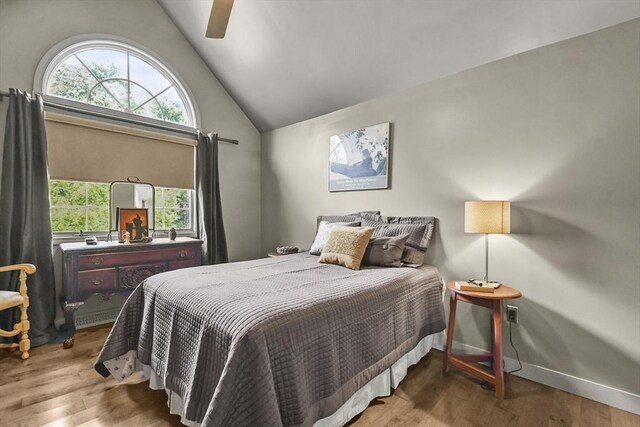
(285, 61)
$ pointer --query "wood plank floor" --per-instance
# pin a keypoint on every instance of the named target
(57, 387)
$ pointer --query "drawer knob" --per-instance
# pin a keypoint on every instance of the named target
(97, 281)
(182, 253)
(97, 261)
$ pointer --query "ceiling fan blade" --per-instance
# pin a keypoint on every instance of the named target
(220, 12)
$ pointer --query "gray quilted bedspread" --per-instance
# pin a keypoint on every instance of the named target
(276, 341)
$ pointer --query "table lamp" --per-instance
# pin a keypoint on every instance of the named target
(487, 217)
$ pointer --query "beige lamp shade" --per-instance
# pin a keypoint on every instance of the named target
(487, 217)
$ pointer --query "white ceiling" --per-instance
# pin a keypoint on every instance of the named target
(285, 61)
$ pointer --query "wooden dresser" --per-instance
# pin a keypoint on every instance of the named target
(116, 268)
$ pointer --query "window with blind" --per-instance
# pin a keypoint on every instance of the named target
(86, 154)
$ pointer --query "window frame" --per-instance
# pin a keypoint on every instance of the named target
(73, 236)
(191, 210)
(63, 49)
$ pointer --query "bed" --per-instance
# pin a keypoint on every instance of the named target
(282, 341)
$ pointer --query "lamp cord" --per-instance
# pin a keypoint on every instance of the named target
(514, 349)
(486, 385)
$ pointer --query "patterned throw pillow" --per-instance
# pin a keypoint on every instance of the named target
(324, 229)
(385, 251)
(346, 246)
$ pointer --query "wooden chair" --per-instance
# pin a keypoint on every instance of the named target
(10, 299)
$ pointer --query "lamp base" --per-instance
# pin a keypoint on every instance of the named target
(486, 258)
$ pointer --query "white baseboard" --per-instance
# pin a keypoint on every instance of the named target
(599, 392)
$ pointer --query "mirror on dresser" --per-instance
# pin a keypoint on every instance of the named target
(131, 194)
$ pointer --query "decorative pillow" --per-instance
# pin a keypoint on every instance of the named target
(344, 218)
(385, 251)
(413, 253)
(369, 219)
(419, 228)
(324, 229)
(346, 246)
(430, 221)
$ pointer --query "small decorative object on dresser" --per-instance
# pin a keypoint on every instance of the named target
(91, 240)
(172, 234)
(112, 268)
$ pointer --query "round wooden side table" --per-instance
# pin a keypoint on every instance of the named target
(468, 362)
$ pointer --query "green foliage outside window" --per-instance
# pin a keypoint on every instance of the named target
(100, 84)
(79, 206)
(74, 82)
(84, 206)
(173, 208)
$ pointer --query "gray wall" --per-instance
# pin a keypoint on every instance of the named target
(557, 132)
(29, 28)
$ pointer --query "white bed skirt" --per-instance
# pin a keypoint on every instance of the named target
(380, 386)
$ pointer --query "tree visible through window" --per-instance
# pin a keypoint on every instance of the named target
(121, 78)
(79, 206)
(173, 208)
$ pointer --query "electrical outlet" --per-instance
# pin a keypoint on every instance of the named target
(512, 313)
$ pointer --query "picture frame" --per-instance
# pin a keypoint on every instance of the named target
(359, 159)
(135, 221)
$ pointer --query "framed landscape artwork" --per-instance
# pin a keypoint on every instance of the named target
(134, 221)
(359, 159)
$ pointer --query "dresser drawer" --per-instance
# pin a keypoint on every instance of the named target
(96, 281)
(130, 277)
(145, 255)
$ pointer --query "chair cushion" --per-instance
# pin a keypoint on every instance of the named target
(10, 299)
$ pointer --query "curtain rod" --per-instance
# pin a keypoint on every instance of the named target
(69, 108)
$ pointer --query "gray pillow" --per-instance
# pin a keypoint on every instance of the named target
(419, 228)
(429, 221)
(322, 235)
(368, 219)
(385, 251)
(344, 218)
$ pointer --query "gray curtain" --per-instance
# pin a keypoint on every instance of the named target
(209, 207)
(25, 222)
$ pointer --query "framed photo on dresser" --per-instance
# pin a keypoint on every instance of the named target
(133, 221)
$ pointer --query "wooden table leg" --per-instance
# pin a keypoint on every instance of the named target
(450, 327)
(498, 369)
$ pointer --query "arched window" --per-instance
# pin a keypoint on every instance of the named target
(120, 77)
(98, 72)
